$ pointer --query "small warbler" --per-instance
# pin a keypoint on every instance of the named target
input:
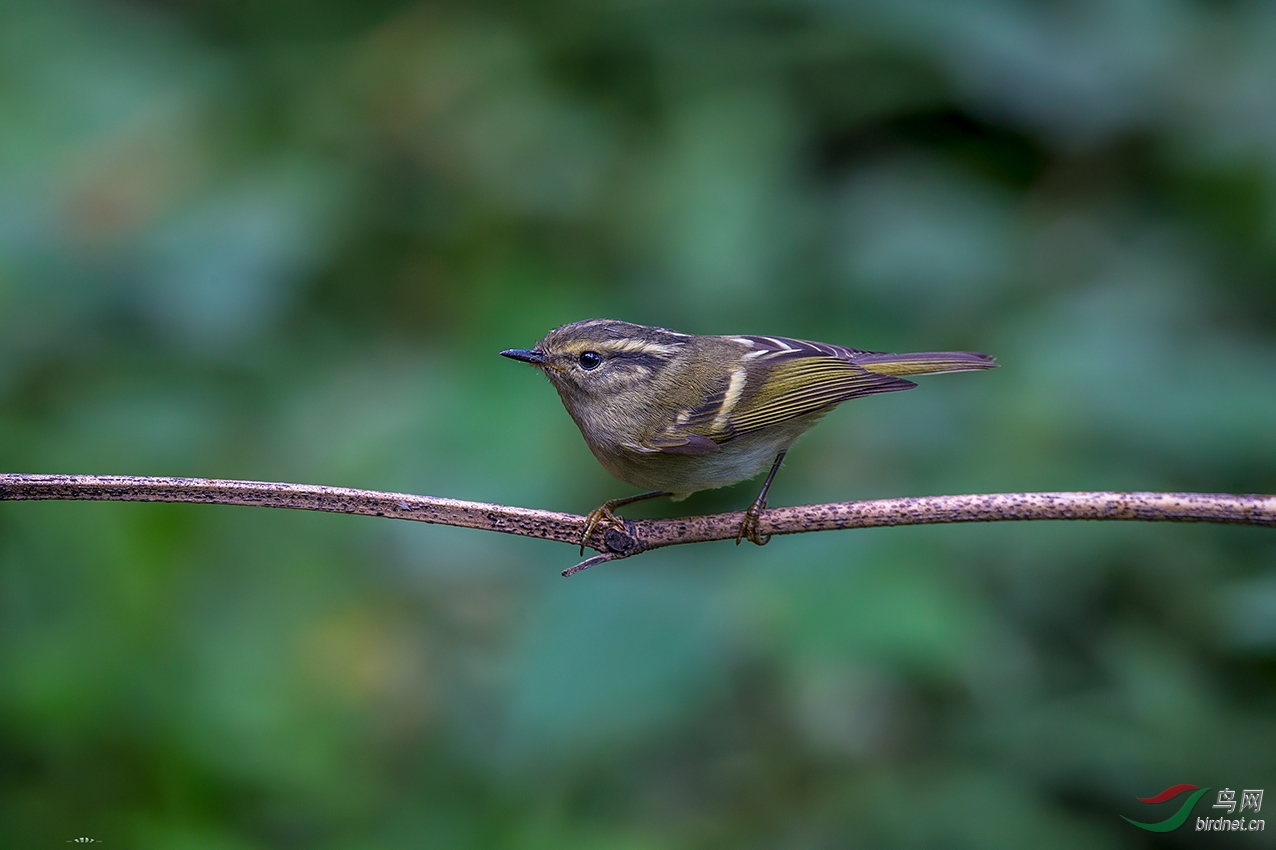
(678, 413)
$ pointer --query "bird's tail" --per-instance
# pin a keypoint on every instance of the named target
(924, 363)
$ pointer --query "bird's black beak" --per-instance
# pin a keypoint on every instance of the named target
(527, 355)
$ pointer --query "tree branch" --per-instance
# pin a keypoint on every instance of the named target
(643, 535)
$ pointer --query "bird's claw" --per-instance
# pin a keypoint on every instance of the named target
(596, 517)
(749, 527)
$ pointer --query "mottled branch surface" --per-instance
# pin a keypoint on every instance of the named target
(643, 535)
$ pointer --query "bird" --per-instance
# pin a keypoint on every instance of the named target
(678, 413)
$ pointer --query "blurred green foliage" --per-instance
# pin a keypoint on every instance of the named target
(284, 241)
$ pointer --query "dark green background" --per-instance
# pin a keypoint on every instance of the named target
(285, 240)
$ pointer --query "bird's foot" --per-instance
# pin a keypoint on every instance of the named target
(598, 516)
(749, 527)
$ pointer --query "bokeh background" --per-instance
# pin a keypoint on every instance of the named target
(285, 240)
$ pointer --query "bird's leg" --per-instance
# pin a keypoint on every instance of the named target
(749, 528)
(604, 512)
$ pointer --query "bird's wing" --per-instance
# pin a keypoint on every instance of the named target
(788, 379)
(770, 347)
(691, 432)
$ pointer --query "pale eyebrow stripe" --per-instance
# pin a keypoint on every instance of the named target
(637, 346)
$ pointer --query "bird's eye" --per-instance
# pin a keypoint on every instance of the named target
(590, 359)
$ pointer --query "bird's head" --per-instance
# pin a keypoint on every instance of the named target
(598, 359)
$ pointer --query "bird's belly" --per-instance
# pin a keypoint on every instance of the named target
(741, 458)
